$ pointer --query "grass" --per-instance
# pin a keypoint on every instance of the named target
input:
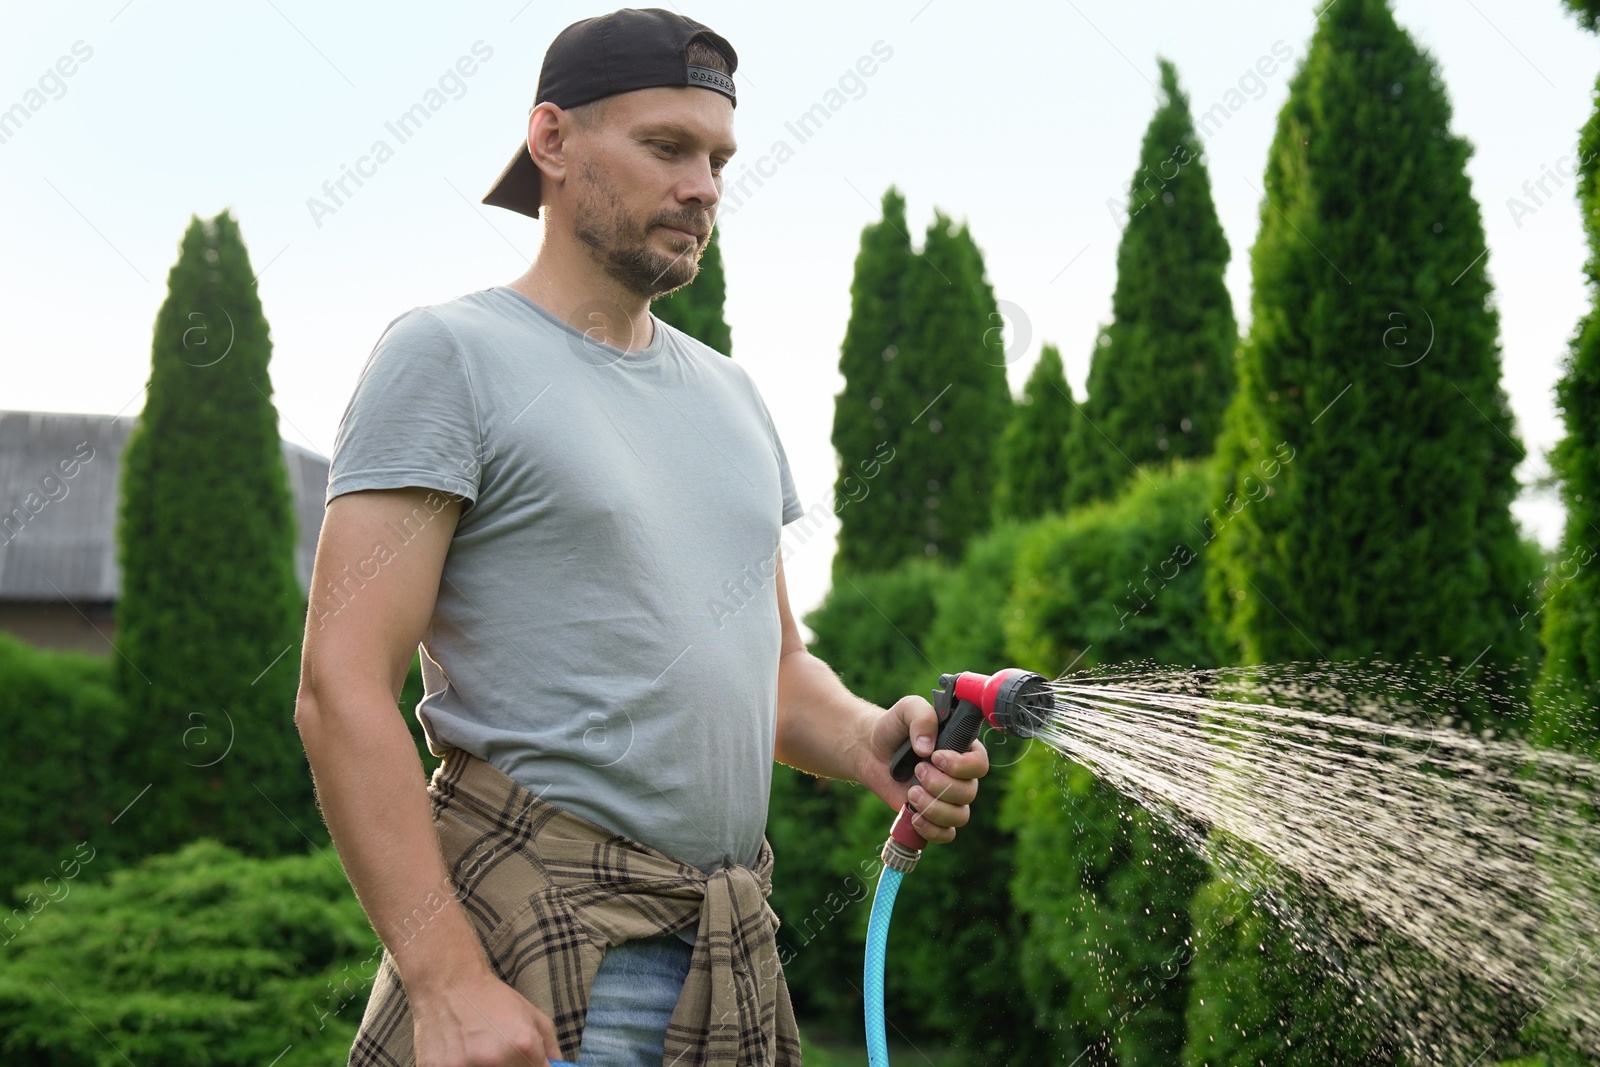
(822, 1048)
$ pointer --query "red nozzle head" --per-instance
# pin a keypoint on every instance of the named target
(1014, 701)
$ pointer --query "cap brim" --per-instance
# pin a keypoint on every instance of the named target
(517, 188)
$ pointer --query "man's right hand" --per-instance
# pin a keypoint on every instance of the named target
(480, 1022)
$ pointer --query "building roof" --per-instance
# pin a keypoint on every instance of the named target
(67, 550)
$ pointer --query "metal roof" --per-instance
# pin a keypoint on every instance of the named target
(67, 549)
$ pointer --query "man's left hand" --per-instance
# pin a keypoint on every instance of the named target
(943, 788)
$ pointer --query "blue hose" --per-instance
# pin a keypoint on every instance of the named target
(877, 953)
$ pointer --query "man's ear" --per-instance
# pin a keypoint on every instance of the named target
(548, 128)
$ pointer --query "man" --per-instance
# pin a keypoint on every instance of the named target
(554, 492)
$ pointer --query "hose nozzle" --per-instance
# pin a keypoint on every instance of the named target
(1013, 701)
(1022, 704)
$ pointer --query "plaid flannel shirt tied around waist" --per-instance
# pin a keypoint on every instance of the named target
(547, 891)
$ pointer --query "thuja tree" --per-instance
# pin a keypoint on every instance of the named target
(1373, 355)
(1373, 352)
(1587, 12)
(210, 617)
(1033, 469)
(871, 533)
(952, 379)
(1567, 695)
(925, 397)
(696, 309)
(1162, 370)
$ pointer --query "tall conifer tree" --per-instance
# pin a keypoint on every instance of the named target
(1567, 696)
(211, 616)
(1162, 371)
(1373, 354)
(925, 397)
(1033, 456)
(956, 402)
(1373, 361)
(869, 400)
(696, 309)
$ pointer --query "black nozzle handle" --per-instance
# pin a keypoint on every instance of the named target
(956, 733)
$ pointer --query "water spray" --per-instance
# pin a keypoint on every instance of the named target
(1450, 877)
(1013, 701)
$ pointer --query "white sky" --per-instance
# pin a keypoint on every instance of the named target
(1024, 119)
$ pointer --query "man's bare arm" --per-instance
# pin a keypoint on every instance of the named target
(826, 730)
(370, 782)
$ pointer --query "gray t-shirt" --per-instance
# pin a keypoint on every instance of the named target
(606, 630)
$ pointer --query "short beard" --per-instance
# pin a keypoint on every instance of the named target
(622, 245)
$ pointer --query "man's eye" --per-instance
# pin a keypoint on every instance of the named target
(664, 146)
(717, 165)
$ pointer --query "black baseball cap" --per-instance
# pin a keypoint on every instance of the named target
(617, 53)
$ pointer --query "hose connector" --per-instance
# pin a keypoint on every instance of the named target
(898, 857)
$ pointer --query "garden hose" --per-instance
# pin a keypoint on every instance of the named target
(1013, 701)
(877, 956)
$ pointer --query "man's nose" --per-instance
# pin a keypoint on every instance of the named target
(701, 185)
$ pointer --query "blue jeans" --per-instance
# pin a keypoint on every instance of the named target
(632, 1000)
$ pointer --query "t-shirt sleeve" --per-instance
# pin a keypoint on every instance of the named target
(791, 499)
(413, 419)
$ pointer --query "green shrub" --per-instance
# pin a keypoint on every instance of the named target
(1390, 531)
(871, 629)
(1118, 581)
(1102, 884)
(1161, 371)
(1032, 466)
(200, 957)
(61, 710)
(1568, 694)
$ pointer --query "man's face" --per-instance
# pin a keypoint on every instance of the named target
(647, 176)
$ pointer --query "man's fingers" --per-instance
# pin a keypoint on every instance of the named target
(921, 723)
(945, 787)
(935, 833)
(547, 1030)
(973, 763)
(938, 813)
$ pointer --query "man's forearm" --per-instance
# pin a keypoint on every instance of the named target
(823, 728)
(370, 786)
